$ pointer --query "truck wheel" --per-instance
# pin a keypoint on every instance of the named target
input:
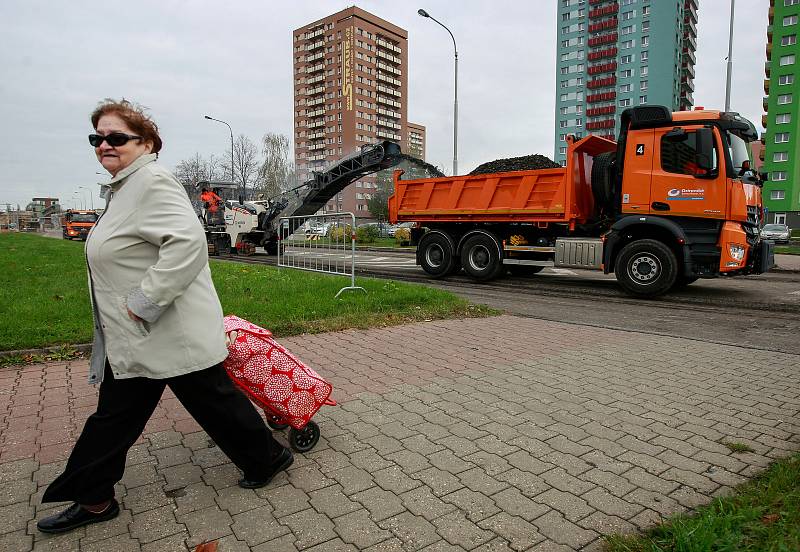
(524, 270)
(436, 254)
(646, 268)
(480, 258)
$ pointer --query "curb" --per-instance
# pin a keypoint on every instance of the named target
(83, 348)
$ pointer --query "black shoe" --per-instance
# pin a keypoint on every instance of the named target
(76, 516)
(281, 462)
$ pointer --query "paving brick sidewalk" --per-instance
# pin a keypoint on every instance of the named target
(488, 434)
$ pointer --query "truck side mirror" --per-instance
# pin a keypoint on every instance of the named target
(705, 149)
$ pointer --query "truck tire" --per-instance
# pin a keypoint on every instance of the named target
(602, 181)
(480, 257)
(646, 268)
(436, 255)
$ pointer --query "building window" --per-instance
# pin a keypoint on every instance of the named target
(645, 55)
(628, 44)
(645, 41)
(562, 124)
(786, 79)
(645, 11)
(643, 85)
(787, 60)
(562, 137)
(780, 156)
(784, 99)
(791, 2)
(628, 15)
(642, 99)
(781, 137)
(630, 29)
(562, 150)
(789, 40)
(625, 88)
(777, 194)
(625, 73)
(778, 176)
(645, 71)
(625, 102)
(783, 118)
(789, 20)
(626, 59)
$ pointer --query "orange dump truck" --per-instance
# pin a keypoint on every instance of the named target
(660, 208)
(76, 224)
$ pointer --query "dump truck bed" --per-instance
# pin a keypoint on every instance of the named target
(542, 195)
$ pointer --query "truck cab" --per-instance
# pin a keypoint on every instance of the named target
(75, 224)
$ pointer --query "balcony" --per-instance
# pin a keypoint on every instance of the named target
(687, 84)
(387, 101)
(769, 50)
(769, 33)
(316, 124)
(314, 147)
(388, 78)
(595, 111)
(388, 134)
(389, 68)
(387, 56)
(690, 9)
(766, 68)
(595, 2)
(688, 53)
(603, 25)
(315, 45)
(314, 57)
(596, 125)
(602, 83)
(314, 34)
(316, 90)
(765, 103)
(766, 87)
(315, 112)
(601, 97)
(316, 101)
(315, 68)
(764, 121)
(388, 113)
(603, 11)
(603, 39)
(600, 54)
(315, 80)
(388, 45)
(387, 90)
(602, 68)
(316, 136)
(387, 123)
(688, 69)
(689, 26)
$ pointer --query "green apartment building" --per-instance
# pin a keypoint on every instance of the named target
(782, 120)
(615, 54)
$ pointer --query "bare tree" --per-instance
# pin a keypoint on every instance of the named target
(276, 173)
(245, 163)
(190, 172)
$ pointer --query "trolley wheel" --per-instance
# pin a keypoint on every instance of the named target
(303, 440)
(275, 423)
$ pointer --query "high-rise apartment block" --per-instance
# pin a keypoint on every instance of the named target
(350, 89)
(782, 189)
(614, 54)
(416, 141)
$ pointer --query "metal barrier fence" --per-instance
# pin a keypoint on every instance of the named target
(320, 243)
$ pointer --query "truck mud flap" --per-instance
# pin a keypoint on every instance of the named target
(764, 256)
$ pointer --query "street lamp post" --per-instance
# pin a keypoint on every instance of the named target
(730, 63)
(79, 195)
(90, 195)
(231, 131)
(423, 13)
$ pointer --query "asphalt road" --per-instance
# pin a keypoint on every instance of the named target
(762, 312)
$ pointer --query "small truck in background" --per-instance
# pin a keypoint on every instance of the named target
(661, 207)
(76, 224)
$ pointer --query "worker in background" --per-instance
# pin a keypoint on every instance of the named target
(211, 202)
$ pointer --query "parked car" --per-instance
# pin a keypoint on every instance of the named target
(395, 227)
(779, 233)
(320, 229)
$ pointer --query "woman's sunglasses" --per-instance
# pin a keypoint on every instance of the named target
(115, 139)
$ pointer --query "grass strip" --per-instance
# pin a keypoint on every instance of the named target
(44, 297)
(762, 516)
(787, 249)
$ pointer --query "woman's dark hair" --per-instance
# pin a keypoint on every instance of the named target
(134, 116)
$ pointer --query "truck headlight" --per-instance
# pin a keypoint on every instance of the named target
(736, 251)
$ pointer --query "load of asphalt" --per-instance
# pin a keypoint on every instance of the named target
(414, 166)
(524, 163)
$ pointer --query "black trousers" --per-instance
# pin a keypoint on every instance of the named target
(97, 461)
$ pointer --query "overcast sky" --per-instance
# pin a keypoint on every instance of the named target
(233, 60)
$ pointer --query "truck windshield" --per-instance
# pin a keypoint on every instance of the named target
(87, 217)
(739, 151)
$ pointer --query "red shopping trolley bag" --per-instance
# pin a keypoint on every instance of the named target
(273, 377)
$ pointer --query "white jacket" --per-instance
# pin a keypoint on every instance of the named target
(148, 253)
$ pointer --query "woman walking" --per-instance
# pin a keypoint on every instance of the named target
(157, 323)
